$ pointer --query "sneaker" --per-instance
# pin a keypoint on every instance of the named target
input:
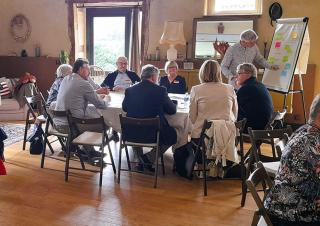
(115, 136)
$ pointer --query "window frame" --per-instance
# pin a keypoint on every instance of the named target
(107, 12)
(209, 9)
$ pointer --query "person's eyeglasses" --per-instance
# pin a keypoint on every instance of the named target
(122, 63)
(242, 73)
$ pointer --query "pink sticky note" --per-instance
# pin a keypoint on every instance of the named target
(277, 45)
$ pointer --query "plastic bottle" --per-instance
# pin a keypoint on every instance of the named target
(158, 53)
(186, 100)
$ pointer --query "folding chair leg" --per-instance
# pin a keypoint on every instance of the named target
(25, 136)
(128, 159)
(255, 219)
(111, 158)
(204, 172)
(162, 164)
(50, 147)
(119, 164)
(66, 171)
(101, 165)
(44, 151)
(157, 166)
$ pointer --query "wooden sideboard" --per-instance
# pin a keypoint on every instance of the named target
(44, 68)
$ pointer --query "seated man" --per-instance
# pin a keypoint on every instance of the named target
(148, 100)
(120, 79)
(295, 198)
(76, 93)
(254, 100)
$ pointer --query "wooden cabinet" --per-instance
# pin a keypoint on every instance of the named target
(191, 76)
(44, 68)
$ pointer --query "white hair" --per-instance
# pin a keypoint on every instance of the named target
(122, 58)
(248, 68)
(314, 109)
(63, 70)
(248, 35)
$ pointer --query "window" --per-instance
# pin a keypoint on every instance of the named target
(232, 7)
(108, 35)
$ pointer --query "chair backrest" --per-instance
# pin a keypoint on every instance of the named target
(97, 74)
(78, 125)
(140, 130)
(259, 136)
(276, 120)
(35, 105)
(52, 114)
(259, 175)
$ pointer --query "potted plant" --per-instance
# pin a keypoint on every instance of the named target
(64, 57)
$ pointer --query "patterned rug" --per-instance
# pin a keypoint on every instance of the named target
(14, 132)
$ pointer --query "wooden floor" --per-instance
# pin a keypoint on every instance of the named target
(33, 196)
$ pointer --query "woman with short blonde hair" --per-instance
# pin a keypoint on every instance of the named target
(210, 71)
(211, 100)
(172, 81)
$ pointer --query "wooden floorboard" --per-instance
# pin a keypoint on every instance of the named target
(33, 196)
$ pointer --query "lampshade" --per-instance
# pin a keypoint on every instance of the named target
(173, 33)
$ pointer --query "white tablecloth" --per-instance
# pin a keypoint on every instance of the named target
(180, 120)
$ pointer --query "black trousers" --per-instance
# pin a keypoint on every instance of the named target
(280, 222)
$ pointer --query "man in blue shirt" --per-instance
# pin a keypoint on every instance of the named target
(254, 100)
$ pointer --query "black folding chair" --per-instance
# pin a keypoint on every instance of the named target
(89, 132)
(259, 175)
(128, 138)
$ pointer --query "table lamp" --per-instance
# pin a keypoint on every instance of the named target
(172, 35)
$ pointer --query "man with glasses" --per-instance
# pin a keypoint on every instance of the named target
(245, 51)
(254, 100)
(122, 78)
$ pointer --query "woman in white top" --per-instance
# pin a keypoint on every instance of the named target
(211, 100)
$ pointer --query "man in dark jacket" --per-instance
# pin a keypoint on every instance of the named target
(148, 100)
(120, 79)
(254, 100)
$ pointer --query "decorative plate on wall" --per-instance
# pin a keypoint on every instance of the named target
(20, 28)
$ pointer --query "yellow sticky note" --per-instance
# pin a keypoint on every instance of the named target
(294, 35)
(285, 59)
(271, 60)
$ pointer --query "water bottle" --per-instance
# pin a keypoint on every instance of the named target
(186, 100)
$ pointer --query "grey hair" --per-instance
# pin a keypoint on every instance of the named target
(248, 35)
(148, 71)
(63, 70)
(248, 68)
(122, 58)
(314, 109)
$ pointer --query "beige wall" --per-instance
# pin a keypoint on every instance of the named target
(49, 26)
(162, 10)
(48, 19)
(296, 8)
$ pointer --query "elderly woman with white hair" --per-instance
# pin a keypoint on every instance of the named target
(62, 71)
(295, 198)
(245, 51)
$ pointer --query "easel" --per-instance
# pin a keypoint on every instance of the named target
(301, 91)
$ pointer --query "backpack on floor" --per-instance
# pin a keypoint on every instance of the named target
(184, 159)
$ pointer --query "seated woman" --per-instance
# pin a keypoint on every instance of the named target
(173, 82)
(62, 71)
(295, 198)
(211, 100)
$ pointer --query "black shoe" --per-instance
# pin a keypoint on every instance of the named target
(139, 167)
(146, 163)
(115, 136)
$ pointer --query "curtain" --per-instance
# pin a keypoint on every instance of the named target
(145, 29)
(80, 32)
(135, 40)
